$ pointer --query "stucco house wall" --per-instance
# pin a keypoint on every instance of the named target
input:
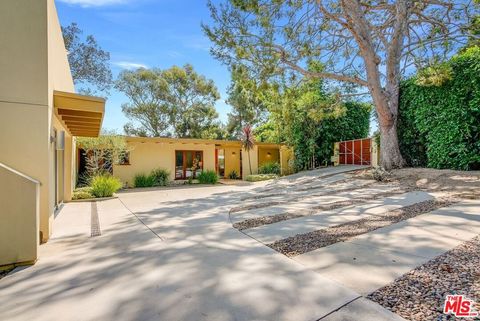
(148, 154)
(266, 155)
(34, 64)
(232, 160)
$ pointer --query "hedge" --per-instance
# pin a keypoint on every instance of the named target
(439, 126)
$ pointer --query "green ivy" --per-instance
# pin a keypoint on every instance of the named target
(439, 126)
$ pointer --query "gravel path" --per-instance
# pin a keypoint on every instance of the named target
(270, 219)
(303, 243)
(419, 295)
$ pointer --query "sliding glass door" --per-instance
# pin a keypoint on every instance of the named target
(188, 163)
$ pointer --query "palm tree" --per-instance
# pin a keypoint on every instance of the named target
(248, 142)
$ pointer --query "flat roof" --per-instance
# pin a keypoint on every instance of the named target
(171, 140)
(82, 115)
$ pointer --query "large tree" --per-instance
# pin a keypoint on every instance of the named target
(369, 44)
(246, 98)
(173, 102)
(89, 63)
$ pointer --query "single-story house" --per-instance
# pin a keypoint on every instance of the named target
(176, 155)
(40, 115)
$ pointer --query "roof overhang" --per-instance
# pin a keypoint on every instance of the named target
(82, 115)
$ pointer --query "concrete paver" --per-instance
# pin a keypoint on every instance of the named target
(370, 261)
(361, 267)
(281, 230)
(362, 309)
(309, 203)
(294, 195)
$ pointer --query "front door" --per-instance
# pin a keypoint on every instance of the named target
(188, 163)
(220, 162)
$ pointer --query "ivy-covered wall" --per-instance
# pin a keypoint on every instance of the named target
(439, 125)
(314, 140)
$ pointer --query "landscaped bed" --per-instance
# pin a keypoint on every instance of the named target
(420, 294)
(100, 186)
(260, 177)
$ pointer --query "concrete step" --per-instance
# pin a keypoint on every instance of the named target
(281, 230)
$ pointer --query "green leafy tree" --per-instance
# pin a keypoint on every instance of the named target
(173, 102)
(148, 106)
(245, 96)
(310, 118)
(370, 44)
(89, 63)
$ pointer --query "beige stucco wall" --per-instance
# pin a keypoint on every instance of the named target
(33, 63)
(19, 196)
(232, 161)
(263, 156)
(23, 52)
(149, 155)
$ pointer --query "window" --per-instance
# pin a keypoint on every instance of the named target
(124, 159)
(188, 163)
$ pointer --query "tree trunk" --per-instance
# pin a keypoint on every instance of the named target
(390, 156)
(387, 111)
(249, 162)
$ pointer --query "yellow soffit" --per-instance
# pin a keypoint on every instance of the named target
(81, 115)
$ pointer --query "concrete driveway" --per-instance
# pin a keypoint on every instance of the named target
(170, 254)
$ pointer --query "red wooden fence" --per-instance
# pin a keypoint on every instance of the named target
(356, 152)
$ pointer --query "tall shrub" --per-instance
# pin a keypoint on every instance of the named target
(102, 152)
(439, 125)
(313, 140)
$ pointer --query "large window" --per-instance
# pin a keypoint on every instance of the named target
(188, 163)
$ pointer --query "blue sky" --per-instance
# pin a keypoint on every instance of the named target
(149, 33)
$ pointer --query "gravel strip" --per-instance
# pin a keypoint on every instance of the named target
(419, 295)
(265, 220)
(303, 243)
(270, 219)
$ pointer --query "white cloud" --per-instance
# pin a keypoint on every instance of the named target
(94, 3)
(129, 65)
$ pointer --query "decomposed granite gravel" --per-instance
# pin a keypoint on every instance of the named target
(419, 295)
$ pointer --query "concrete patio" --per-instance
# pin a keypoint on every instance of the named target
(167, 254)
(172, 254)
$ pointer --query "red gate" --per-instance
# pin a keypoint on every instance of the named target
(355, 152)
